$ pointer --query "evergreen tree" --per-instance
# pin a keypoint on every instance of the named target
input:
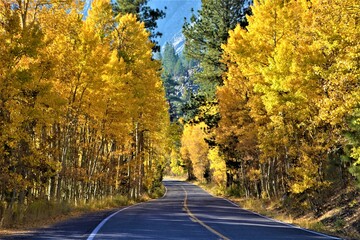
(177, 79)
(179, 69)
(206, 33)
(169, 58)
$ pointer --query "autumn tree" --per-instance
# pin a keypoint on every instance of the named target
(352, 150)
(25, 103)
(281, 115)
(217, 167)
(78, 101)
(144, 14)
(194, 151)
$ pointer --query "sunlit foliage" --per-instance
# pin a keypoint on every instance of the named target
(292, 84)
(82, 108)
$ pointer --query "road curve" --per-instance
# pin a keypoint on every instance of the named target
(188, 212)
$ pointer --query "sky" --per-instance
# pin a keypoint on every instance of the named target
(176, 12)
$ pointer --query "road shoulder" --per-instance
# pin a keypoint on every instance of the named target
(78, 227)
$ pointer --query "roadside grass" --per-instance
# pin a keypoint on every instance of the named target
(273, 208)
(42, 213)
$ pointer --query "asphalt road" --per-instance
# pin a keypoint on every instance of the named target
(185, 212)
(188, 212)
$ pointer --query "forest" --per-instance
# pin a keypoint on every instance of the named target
(277, 111)
(78, 102)
(278, 103)
(263, 103)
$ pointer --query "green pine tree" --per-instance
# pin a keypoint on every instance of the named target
(169, 58)
(206, 33)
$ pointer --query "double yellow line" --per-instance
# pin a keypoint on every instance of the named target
(195, 219)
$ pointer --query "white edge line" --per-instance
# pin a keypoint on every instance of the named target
(166, 190)
(102, 223)
(98, 227)
(286, 224)
(278, 221)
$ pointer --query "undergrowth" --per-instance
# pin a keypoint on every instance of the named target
(274, 208)
(43, 212)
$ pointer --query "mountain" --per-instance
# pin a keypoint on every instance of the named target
(171, 26)
(178, 41)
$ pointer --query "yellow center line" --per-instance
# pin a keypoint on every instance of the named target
(195, 219)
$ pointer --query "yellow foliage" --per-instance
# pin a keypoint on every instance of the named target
(292, 78)
(78, 101)
(194, 149)
(176, 164)
(305, 175)
(218, 166)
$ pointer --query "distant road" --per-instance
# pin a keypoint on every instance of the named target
(188, 212)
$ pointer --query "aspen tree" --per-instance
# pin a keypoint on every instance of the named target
(24, 104)
(195, 149)
(293, 76)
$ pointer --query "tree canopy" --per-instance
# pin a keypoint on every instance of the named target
(78, 102)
